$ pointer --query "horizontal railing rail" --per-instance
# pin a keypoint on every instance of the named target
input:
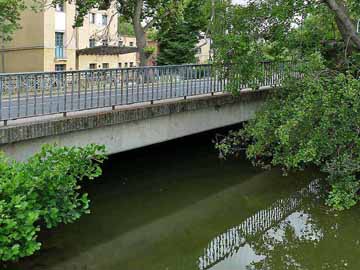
(33, 94)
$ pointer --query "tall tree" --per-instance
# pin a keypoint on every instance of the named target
(143, 14)
(179, 32)
(311, 120)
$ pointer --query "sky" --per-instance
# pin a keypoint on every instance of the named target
(239, 1)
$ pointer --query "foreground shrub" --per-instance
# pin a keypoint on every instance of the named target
(43, 191)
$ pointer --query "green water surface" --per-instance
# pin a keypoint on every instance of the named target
(176, 206)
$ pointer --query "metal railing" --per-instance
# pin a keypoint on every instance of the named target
(43, 93)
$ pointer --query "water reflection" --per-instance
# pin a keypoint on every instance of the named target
(233, 249)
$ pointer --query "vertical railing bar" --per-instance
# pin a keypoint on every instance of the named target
(43, 94)
(166, 82)
(65, 91)
(127, 86)
(11, 86)
(104, 73)
(209, 79)
(160, 87)
(224, 80)
(72, 91)
(218, 81)
(143, 79)
(171, 71)
(28, 86)
(35, 92)
(139, 80)
(200, 76)
(116, 86)
(152, 83)
(98, 78)
(86, 88)
(157, 83)
(110, 94)
(51, 92)
(27, 83)
(221, 79)
(193, 81)
(92, 89)
(146, 84)
(122, 87)
(79, 89)
(176, 82)
(182, 80)
(58, 91)
(132, 85)
(18, 87)
(202, 79)
(187, 81)
(196, 80)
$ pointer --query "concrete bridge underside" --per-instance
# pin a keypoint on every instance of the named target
(132, 127)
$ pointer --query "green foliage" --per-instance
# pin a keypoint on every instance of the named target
(314, 120)
(45, 190)
(309, 121)
(125, 28)
(152, 34)
(179, 33)
(149, 50)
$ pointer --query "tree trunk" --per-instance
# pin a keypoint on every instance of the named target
(140, 34)
(346, 26)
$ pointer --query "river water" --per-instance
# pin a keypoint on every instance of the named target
(176, 206)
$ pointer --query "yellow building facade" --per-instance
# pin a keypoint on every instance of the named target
(47, 41)
(204, 52)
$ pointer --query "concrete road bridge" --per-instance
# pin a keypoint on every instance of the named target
(122, 108)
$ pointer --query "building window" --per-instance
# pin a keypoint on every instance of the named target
(92, 66)
(104, 20)
(92, 18)
(92, 43)
(126, 65)
(131, 44)
(121, 43)
(60, 67)
(60, 7)
(105, 65)
(120, 65)
(198, 50)
(105, 42)
(59, 45)
(131, 64)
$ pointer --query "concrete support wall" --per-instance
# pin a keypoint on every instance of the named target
(132, 128)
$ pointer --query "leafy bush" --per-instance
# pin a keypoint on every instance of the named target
(45, 190)
(314, 120)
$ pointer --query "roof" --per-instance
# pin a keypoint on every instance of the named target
(107, 50)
